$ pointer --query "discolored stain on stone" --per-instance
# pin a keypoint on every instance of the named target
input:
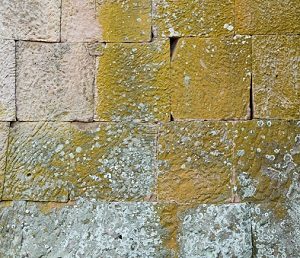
(7, 80)
(124, 20)
(36, 168)
(194, 162)
(211, 78)
(178, 18)
(54, 82)
(37, 20)
(113, 161)
(273, 236)
(79, 21)
(11, 223)
(276, 76)
(133, 82)
(266, 161)
(4, 131)
(267, 17)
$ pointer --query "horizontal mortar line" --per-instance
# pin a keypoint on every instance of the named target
(233, 120)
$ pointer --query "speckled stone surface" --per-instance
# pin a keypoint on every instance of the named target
(37, 20)
(276, 76)
(7, 80)
(211, 78)
(136, 87)
(193, 18)
(60, 85)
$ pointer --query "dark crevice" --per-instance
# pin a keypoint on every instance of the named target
(171, 118)
(173, 45)
(152, 35)
(251, 106)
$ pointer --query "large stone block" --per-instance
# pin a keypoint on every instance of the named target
(7, 80)
(216, 231)
(4, 131)
(79, 21)
(267, 17)
(195, 162)
(193, 18)
(133, 82)
(276, 76)
(211, 78)
(266, 161)
(36, 168)
(124, 20)
(37, 20)
(54, 82)
(113, 161)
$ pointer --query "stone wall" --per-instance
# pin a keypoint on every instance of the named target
(149, 128)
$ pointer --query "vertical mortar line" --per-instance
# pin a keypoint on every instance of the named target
(60, 21)
(251, 82)
(156, 169)
(233, 171)
(15, 73)
(94, 88)
(253, 249)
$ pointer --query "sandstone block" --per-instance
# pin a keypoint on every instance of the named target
(36, 168)
(7, 80)
(267, 17)
(193, 18)
(4, 131)
(276, 76)
(124, 20)
(133, 82)
(79, 21)
(266, 161)
(211, 78)
(37, 20)
(112, 161)
(195, 162)
(54, 82)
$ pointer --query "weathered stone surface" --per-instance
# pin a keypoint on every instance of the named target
(113, 161)
(273, 236)
(4, 131)
(216, 231)
(266, 161)
(276, 76)
(194, 162)
(133, 82)
(193, 18)
(30, 20)
(36, 168)
(79, 21)
(7, 80)
(89, 229)
(211, 78)
(54, 82)
(124, 20)
(267, 17)
(11, 223)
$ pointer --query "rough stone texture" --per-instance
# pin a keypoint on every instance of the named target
(276, 76)
(266, 161)
(195, 163)
(7, 80)
(193, 18)
(113, 161)
(216, 231)
(136, 87)
(37, 20)
(273, 236)
(4, 131)
(267, 17)
(211, 78)
(79, 21)
(54, 82)
(124, 20)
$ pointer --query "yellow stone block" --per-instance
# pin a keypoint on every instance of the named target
(267, 17)
(133, 82)
(211, 78)
(177, 18)
(276, 77)
(266, 160)
(124, 20)
(194, 162)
